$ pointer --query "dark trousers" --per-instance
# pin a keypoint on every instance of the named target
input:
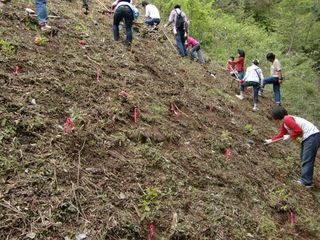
(309, 148)
(123, 12)
(151, 22)
(85, 4)
(256, 87)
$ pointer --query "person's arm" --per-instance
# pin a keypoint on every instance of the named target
(147, 11)
(171, 19)
(283, 131)
(296, 130)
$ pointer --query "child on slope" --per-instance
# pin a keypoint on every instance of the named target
(293, 127)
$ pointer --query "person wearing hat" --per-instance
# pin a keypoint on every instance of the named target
(253, 77)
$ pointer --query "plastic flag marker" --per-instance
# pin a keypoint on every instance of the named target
(228, 154)
(69, 123)
(151, 233)
(291, 217)
(210, 107)
(17, 70)
(174, 109)
(135, 114)
(98, 75)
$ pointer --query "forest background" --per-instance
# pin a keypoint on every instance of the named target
(289, 28)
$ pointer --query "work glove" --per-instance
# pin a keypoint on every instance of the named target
(268, 141)
(286, 138)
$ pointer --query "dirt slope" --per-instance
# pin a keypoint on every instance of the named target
(110, 178)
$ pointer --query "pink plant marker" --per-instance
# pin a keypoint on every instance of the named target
(291, 217)
(98, 75)
(210, 107)
(151, 231)
(17, 70)
(228, 154)
(174, 109)
(68, 123)
(135, 114)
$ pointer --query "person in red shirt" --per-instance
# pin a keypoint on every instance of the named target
(239, 62)
(293, 127)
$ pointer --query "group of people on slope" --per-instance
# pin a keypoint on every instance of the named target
(253, 77)
(123, 9)
(292, 127)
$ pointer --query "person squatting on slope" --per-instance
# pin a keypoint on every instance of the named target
(41, 10)
(195, 49)
(239, 62)
(180, 29)
(296, 127)
(152, 14)
(253, 77)
(275, 78)
(123, 9)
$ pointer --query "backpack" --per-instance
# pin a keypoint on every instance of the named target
(179, 21)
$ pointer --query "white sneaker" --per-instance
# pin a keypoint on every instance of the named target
(255, 108)
(45, 27)
(241, 97)
(260, 93)
(301, 184)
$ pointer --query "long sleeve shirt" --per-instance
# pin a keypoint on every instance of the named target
(152, 11)
(253, 74)
(192, 42)
(173, 18)
(239, 64)
(296, 127)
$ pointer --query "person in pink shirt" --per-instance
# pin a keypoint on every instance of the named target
(195, 49)
(293, 127)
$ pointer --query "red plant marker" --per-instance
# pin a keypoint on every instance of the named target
(17, 70)
(135, 114)
(291, 217)
(69, 123)
(98, 75)
(210, 107)
(174, 109)
(228, 154)
(151, 231)
(124, 94)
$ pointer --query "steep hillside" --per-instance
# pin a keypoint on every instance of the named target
(111, 178)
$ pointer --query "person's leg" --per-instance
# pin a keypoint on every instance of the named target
(240, 75)
(41, 10)
(128, 17)
(149, 21)
(85, 4)
(277, 94)
(180, 43)
(309, 148)
(200, 57)
(193, 52)
(117, 17)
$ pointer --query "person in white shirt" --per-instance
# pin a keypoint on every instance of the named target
(152, 14)
(253, 77)
(180, 29)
